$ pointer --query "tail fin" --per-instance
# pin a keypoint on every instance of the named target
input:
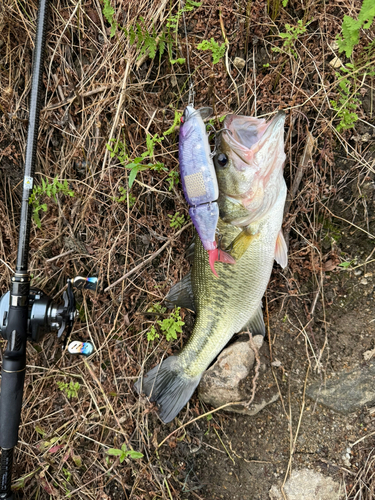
(167, 385)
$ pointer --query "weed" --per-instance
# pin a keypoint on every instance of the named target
(350, 28)
(176, 123)
(217, 50)
(273, 7)
(70, 390)
(177, 220)
(347, 264)
(172, 179)
(152, 334)
(149, 42)
(108, 13)
(119, 149)
(169, 326)
(157, 308)
(124, 453)
(173, 325)
(49, 189)
(347, 102)
(290, 37)
(124, 197)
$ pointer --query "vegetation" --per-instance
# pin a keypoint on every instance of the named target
(350, 29)
(218, 50)
(169, 327)
(49, 190)
(69, 389)
(123, 453)
(290, 37)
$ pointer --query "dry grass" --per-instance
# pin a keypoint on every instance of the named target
(97, 89)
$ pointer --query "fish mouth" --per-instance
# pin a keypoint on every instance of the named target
(247, 135)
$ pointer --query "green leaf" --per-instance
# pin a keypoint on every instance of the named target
(108, 11)
(217, 50)
(133, 174)
(134, 454)
(180, 60)
(114, 451)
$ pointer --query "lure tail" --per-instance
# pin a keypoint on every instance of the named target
(167, 386)
(218, 255)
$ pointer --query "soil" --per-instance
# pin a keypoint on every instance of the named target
(319, 311)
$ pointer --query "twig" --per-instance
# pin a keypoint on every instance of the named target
(5, 264)
(293, 447)
(149, 259)
(119, 106)
(257, 366)
(61, 255)
(303, 163)
(226, 41)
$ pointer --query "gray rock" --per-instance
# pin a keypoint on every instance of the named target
(306, 484)
(348, 391)
(225, 381)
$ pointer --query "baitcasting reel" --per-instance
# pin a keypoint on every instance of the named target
(45, 315)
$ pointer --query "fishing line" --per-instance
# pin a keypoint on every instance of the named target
(191, 85)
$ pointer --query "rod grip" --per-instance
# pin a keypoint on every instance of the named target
(13, 376)
(10, 406)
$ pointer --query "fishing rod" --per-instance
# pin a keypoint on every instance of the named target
(27, 313)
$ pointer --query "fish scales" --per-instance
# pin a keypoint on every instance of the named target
(224, 305)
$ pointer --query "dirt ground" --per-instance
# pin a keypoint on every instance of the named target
(101, 90)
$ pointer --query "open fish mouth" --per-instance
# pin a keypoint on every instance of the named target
(246, 136)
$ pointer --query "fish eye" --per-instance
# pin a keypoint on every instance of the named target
(221, 160)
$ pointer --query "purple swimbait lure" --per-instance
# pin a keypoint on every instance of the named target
(199, 181)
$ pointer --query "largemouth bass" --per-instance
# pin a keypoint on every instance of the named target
(249, 166)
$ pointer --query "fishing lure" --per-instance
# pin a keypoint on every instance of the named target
(199, 181)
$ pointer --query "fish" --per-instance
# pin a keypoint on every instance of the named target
(199, 181)
(252, 192)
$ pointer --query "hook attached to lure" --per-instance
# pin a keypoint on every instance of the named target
(199, 181)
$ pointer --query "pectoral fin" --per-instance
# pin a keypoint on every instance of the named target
(181, 294)
(256, 323)
(241, 243)
(281, 251)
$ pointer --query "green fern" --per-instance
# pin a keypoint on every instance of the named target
(217, 50)
(348, 102)
(351, 27)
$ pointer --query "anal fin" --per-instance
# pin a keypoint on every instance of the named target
(256, 323)
(181, 294)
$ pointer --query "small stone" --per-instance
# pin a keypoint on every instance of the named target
(334, 45)
(276, 363)
(358, 272)
(368, 354)
(366, 137)
(306, 484)
(239, 63)
(348, 392)
(363, 281)
(336, 62)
